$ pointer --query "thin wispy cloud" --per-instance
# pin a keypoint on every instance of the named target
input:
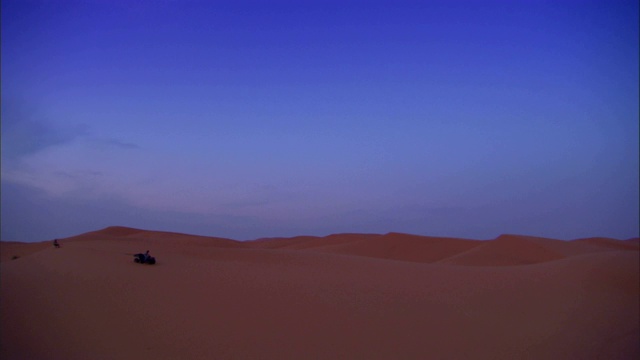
(27, 130)
(120, 144)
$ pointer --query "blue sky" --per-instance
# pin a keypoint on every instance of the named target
(248, 119)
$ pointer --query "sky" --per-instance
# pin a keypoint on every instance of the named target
(251, 119)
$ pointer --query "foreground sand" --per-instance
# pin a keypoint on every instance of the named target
(349, 296)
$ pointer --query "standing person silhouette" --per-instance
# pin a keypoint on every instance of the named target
(56, 244)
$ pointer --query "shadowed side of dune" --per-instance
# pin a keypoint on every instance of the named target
(306, 242)
(508, 250)
(635, 241)
(631, 244)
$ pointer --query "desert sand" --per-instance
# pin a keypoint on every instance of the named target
(344, 296)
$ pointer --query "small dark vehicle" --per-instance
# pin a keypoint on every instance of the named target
(144, 259)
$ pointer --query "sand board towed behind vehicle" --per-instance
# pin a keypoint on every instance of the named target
(144, 259)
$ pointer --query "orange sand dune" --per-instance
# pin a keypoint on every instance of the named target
(337, 297)
(307, 242)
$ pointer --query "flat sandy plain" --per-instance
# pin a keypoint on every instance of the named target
(344, 296)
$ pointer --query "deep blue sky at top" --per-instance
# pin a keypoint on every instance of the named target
(246, 119)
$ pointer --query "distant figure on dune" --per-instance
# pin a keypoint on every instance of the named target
(56, 244)
(146, 255)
